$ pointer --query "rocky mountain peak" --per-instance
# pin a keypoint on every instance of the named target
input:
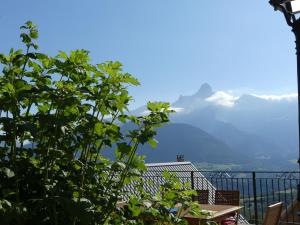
(205, 91)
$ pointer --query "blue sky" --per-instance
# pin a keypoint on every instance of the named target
(171, 46)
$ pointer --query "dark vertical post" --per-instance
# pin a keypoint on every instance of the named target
(296, 31)
(293, 22)
(254, 197)
(192, 180)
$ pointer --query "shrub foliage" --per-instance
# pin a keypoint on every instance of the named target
(57, 115)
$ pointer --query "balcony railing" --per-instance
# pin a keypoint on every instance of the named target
(257, 190)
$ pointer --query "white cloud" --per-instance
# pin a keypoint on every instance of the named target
(287, 97)
(222, 98)
(227, 99)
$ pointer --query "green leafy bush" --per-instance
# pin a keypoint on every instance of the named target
(57, 114)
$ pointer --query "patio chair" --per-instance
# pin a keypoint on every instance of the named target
(201, 197)
(272, 214)
(228, 197)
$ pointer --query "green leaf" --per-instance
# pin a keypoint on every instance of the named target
(62, 55)
(124, 148)
(63, 129)
(4, 204)
(34, 34)
(158, 107)
(8, 87)
(135, 210)
(7, 172)
(130, 79)
(56, 168)
(29, 24)
(153, 143)
(22, 85)
(4, 58)
(76, 194)
(25, 38)
(77, 165)
(119, 165)
(116, 65)
(35, 46)
(135, 172)
(44, 108)
(99, 129)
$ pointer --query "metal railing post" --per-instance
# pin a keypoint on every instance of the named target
(192, 180)
(254, 196)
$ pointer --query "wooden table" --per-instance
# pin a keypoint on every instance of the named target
(218, 213)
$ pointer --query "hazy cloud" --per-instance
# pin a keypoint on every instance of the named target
(287, 97)
(227, 99)
(222, 98)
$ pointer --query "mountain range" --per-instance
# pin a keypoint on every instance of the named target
(218, 127)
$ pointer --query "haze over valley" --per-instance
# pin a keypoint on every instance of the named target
(215, 127)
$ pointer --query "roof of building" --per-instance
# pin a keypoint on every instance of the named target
(185, 172)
